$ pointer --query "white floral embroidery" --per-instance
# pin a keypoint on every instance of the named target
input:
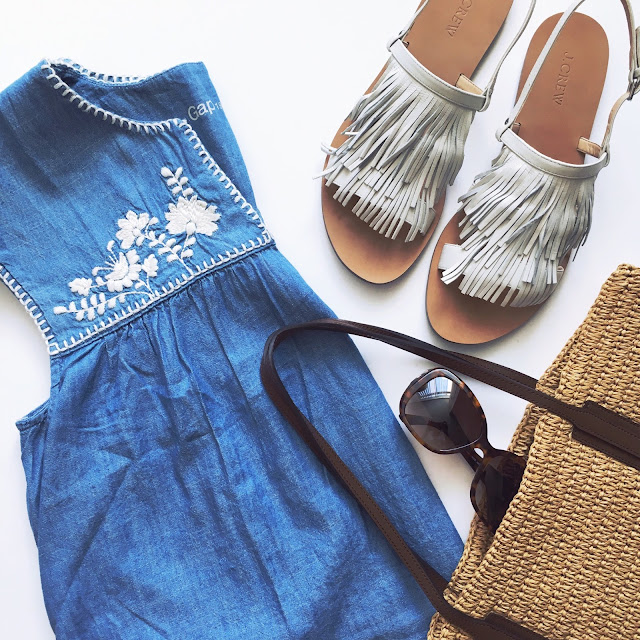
(131, 229)
(81, 286)
(192, 216)
(150, 266)
(125, 272)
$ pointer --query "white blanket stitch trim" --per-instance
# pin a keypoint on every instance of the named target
(75, 98)
(29, 304)
(97, 75)
(213, 166)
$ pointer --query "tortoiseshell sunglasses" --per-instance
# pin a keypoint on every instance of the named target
(444, 416)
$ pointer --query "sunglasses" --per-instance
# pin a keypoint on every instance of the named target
(443, 415)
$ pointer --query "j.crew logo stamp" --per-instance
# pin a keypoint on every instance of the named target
(458, 17)
(196, 111)
(563, 79)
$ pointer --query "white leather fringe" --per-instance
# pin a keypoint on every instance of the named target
(405, 145)
(519, 223)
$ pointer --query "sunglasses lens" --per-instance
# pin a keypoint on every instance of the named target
(443, 415)
(495, 485)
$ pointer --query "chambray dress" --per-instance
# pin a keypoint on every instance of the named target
(167, 496)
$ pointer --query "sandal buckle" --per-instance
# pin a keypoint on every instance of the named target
(634, 83)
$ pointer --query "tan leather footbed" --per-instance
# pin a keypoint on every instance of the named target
(449, 38)
(559, 110)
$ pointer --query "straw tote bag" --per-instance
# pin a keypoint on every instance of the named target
(565, 560)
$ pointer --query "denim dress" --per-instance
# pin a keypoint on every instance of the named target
(167, 495)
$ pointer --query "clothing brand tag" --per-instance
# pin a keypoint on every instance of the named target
(196, 111)
(458, 17)
(563, 79)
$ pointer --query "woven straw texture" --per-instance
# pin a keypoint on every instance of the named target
(565, 561)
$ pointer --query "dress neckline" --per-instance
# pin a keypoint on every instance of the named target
(52, 69)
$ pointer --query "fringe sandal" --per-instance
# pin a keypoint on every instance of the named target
(504, 252)
(403, 143)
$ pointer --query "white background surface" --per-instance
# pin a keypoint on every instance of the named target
(287, 73)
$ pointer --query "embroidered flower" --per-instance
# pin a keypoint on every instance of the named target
(150, 266)
(191, 216)
(125, 277)
(81, 286)
(131, 229)
(124, 271)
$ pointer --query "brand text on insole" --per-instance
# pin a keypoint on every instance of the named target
(563, 79)
(458, 17)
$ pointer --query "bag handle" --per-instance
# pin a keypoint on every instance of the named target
(588, 418)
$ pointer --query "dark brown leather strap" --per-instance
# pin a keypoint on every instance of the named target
(590, 419)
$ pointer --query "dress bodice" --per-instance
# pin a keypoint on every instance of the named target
(116, 192)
